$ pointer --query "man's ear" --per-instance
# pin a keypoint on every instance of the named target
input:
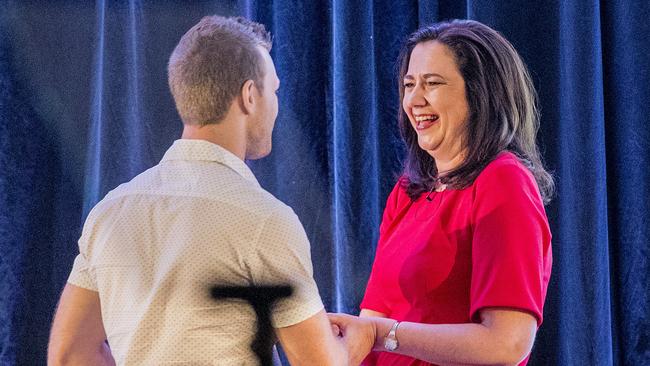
(248, 97)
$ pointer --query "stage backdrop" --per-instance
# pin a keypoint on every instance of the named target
(84, 106)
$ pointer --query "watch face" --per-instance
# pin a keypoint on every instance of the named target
(390, 344)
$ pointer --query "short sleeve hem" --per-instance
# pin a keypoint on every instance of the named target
(80, 275)
(369, 305)
(297, 314)
(476, 309)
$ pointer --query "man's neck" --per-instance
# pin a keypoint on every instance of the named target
(224, 134)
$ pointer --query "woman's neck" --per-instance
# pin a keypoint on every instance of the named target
(444, 166)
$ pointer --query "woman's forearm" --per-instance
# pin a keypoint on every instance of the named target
(459, 344)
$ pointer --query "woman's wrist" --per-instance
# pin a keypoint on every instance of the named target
(382, 327)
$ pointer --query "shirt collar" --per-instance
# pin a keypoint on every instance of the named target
(202, 150)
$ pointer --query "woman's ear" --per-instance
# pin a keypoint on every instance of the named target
(248, 97)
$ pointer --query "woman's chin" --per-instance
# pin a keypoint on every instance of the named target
(427, 146)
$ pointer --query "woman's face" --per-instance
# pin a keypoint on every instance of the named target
(435, 103)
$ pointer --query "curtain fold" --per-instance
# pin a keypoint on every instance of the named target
(84, 107)
(28, 163)
(583, 235)
(626, 76)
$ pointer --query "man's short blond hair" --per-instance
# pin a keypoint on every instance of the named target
(211, 63)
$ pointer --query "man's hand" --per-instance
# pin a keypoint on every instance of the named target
(311, 342)
(358, 335)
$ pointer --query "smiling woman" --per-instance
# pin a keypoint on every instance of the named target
(434, 101)
(461, 272)
(475, 66)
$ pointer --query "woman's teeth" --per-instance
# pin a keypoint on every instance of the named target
(432, 117)
(425, 121)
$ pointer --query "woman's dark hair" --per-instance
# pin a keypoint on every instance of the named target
(502, 103)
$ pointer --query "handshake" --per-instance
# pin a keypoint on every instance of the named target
(359, 335)
(355, 336)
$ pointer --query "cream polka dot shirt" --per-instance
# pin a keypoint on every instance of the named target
(153, 248)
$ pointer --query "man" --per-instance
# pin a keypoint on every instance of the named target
(153, 247)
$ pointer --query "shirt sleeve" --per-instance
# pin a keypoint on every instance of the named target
(82, 275)
(511, 244)
(282, 257)
(373, 299)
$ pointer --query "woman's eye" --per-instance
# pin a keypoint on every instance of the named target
(408, 85)
(433, 83)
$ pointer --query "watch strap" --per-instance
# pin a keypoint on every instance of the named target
(390, 341)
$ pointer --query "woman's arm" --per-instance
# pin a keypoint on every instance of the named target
(504, 337)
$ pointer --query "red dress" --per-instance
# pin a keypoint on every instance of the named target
(441, 261)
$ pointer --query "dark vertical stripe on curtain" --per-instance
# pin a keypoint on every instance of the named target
(625, 29)
(580, 241)
(84, 106)
(13, 215)
(33, 187)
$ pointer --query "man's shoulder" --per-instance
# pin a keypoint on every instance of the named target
(219, 188)
(265, 203)
(229, 187)
(140, 182)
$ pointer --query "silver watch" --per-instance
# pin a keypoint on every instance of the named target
(390, 341)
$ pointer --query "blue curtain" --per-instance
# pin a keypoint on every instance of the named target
(84, 106)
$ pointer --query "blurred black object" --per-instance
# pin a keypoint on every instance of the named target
(262, 299)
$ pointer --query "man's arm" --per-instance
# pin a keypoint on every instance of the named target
(78, 336)
(312, 342)
(282, 255)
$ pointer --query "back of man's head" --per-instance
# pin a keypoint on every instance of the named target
(211, 63)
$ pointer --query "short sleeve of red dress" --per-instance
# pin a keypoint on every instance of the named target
(373, 299)
(511, 242)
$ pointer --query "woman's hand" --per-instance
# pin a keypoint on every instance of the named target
(358, 335)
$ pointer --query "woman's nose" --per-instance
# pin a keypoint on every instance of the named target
(414, 98)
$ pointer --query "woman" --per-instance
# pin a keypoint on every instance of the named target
(464, 255)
